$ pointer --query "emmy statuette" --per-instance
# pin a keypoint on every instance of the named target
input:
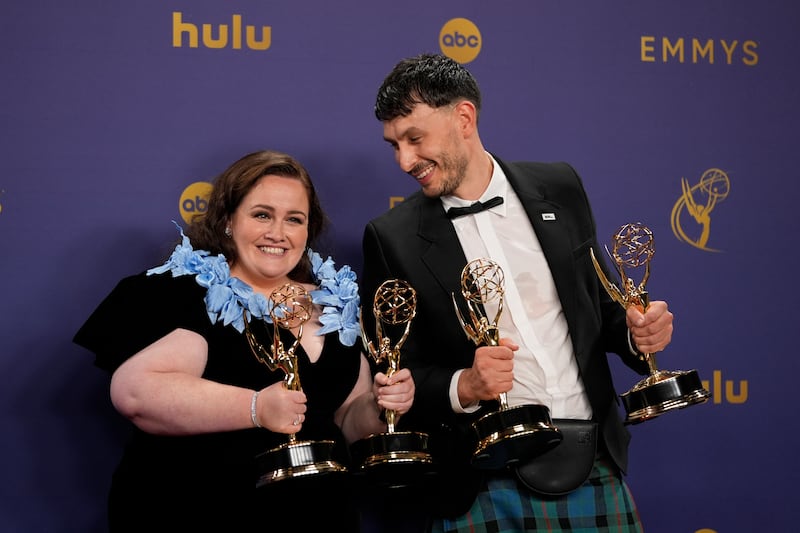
(294, 459)
(509, 435)
(393, 458)
(661, 390)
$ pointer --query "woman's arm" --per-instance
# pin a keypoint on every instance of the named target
(160, 390)
(359, 415)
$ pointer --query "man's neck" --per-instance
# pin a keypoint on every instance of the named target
(479, 175)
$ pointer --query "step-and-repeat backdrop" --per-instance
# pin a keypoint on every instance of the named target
(681, 115)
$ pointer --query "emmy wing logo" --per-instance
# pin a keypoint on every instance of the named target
(691, 214)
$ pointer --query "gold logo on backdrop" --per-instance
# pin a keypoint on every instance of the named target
(694, 50)
(691, 214)
(236, 34)
(460, 40)
(727, 390)
(194, 200)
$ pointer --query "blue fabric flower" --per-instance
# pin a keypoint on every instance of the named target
(227, 298)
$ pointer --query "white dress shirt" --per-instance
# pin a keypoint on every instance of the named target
(545, 370)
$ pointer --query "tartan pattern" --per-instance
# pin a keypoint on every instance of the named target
(603, 504)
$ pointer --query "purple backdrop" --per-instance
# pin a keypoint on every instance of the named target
(108, 113)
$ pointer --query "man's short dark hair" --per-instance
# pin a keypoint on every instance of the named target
(431, 79)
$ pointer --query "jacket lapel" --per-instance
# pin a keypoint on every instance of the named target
(444, 257)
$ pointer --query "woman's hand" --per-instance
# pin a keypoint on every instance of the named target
(281, 410)
(396, 392)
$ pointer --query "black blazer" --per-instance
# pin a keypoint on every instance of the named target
(416, 242)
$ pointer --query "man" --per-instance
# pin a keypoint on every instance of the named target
(556, 326)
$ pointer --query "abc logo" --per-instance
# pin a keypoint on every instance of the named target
(194, 200)
(460, 40)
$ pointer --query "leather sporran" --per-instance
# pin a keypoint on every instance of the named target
(564, 468)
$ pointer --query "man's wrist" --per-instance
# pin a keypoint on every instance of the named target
(455, 400)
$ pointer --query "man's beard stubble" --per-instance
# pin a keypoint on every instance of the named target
(454, 170)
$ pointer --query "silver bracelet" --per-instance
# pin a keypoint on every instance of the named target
(253, 415)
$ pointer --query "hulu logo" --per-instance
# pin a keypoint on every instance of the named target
(722, 391)
(221, 35)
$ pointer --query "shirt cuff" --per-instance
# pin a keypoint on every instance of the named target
(454, 401)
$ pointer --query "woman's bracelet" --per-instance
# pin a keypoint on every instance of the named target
(253, 414)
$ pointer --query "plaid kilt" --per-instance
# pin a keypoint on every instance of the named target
(603, 504)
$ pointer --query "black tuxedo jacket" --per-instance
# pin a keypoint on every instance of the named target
(416, 242)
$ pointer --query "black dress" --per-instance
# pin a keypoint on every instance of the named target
(179, 483)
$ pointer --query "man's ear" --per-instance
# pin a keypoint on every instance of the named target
(467, 117)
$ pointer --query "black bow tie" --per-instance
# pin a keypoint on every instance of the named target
(477, 207)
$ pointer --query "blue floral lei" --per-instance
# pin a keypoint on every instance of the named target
(227, 296)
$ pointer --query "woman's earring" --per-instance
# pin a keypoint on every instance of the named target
(228, 232)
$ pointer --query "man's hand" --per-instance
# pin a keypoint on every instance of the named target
(650, 331)
(492, 373)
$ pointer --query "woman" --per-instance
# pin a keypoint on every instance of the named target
(203, 405)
